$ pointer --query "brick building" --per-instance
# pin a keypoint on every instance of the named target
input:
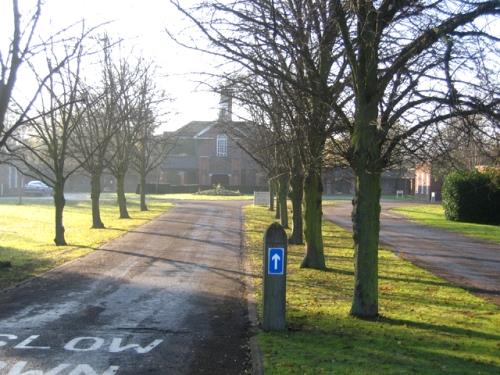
(206, 156)
(342, 181)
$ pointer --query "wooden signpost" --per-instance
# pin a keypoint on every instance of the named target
(274, 294)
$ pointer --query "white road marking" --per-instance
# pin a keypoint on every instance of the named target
(85, 344)
(29, 340)
(18, 368)
(72, 345)
(116, 347)
(10, 337)
(80, 369)
(85, 369)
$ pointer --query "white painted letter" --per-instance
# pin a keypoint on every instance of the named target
(112, 370)
(85, 369)
(96, 344)
(19, 367)
(10, 337)
(29, 340)
(116, 347)
(58, 369)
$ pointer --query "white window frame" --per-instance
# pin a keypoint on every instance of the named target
(221, 145)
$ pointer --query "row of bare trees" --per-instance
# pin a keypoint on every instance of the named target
(70, 123)
(376, 79)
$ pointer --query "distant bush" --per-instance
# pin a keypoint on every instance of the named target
(219, 190)
(472, 196)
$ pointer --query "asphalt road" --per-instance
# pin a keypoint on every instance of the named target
(166, 298)
(469, 263)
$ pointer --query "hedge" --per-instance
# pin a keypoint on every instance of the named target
(472, 197)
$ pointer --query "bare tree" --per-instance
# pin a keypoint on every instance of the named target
(262, 137)
(297, 43)
(150, 149)
(406, 67)
(94, 132)
(92, 138)
(464, 144)
(21, 52)
(149, 153)
(271, 108)
(19, 49)
(129, 79)
(384, 73)
(43, 152)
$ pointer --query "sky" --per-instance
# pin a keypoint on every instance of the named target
(141, 25)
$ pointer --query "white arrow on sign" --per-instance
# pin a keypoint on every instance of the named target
(276, 258)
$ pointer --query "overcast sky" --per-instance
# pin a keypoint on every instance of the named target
(142, 26)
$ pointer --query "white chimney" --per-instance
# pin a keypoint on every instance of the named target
(225, 105)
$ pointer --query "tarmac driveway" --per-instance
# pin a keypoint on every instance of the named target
(469, 263)
(165, 298)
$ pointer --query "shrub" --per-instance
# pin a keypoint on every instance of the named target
(472, 196)
(218, 190)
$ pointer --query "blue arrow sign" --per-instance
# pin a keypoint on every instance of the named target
(275, 261)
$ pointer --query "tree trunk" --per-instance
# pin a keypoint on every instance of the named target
(271, 196)
(122, 201)
(366, 208)
(59, 203)
(275, 192)
(366, 225)
(142, 191)
(297, 187)
(95, 193)
(313, 214)
(282, 197)
(20, 191)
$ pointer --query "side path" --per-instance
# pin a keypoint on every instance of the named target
(165, 298)
(469, 263)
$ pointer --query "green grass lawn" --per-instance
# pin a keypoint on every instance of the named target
(427, 325)
(387, 197)
(162, 197)
(433, 215)
(27, 232)
(201, 197)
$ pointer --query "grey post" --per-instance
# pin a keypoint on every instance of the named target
(274, 285)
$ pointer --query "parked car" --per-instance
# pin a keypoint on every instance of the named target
(37, 188)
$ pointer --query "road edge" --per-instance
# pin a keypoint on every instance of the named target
(437, 272)
(255, 350)
(61, 266)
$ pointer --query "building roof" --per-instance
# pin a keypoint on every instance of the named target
(196, 129)
(193, 128)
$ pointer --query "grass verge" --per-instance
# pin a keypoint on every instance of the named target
(27, 232)
(433, 215)
(428, 326)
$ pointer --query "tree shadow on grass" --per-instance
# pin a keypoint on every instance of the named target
(388, 287)
(441, 328)
(23, 265)
(427, 332)
(338, 344)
